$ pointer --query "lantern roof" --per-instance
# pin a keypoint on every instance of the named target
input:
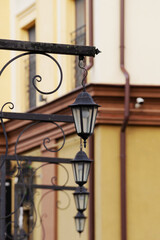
(80, 215)
(80, 190)
(81, 156)
(85, 99)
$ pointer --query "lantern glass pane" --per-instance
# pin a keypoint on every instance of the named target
(74, 171)
(76, 202)
(77, 119)
(86, 171)
(79, 171)
(77, 224)
(94, 118)
(85, 201)
(81, 201)
(80, 224)
(86, 118)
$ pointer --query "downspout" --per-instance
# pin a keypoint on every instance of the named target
(90, 42)
(91, 140)
(91, 190)
(124, 125)
(91, 222)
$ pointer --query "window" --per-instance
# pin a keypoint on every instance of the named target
(32, 70)
(80, 32)
(79, 35)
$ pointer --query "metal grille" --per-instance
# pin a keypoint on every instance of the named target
(32, 71)
(79, 38)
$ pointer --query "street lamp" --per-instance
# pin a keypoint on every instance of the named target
(81, 167)
(81, 198)
(84, 111)
(80, 222)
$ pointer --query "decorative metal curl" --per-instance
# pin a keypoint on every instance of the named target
(68, 204)
(43, 228)
(47, 140)
(32, 199)
(16, 144)
(19, 163)
(44, 215)
(38, 208)
(19, 169)
(85, 73)
(6, 230)
(66, 174)
(54, 178)
(35, 77)
(4, 130)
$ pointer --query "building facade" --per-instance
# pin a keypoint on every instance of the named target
(123, 80)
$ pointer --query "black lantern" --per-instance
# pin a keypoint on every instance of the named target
(84, 111)
(81, 166)
(81, 198)
(80, 222)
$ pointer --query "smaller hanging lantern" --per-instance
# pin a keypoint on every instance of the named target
(81, 166)
(80, 222)
(84, 111)
(81, 198)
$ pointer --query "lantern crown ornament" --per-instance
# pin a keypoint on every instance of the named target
(84, 111)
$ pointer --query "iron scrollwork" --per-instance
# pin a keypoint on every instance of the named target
(25, 189)
(37, 78)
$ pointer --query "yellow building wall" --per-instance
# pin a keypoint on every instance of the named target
(107, 183)
(54, 25)
(24, 20)
(5, 81)
(66, 223)
(65, 26)
(46, 31)
(143, 181)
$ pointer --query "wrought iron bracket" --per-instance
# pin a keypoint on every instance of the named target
(37, 117)
(50, 187)
(40, 47)
(36, 159)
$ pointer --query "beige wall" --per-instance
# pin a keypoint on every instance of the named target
(66, 224)
(53, 25)
(54, 22)
(142, 49)
(141, 41)
(107, 183)
(5, 81)
(143, 180)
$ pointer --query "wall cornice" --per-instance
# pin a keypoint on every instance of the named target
(111, 99)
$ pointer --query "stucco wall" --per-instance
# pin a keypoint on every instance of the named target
(4, 55)
(142, 36)
(66, 224)
(143, 180)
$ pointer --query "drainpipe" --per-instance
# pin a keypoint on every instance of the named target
(91, 139)
(90, 12)
(124, 125)
(91, 190)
